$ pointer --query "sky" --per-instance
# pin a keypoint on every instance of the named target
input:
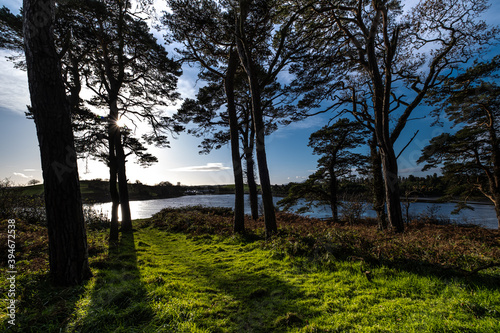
(289, 157)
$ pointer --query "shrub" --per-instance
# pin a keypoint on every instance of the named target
(95, 220)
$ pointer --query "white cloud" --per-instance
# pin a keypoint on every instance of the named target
(14, 94)
(204, 168)
(29, 170)
(22, 175)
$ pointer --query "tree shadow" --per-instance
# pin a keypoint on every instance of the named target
(257, 300)
(267, 304)
(40, 305)
(427, 269)
(118, 299)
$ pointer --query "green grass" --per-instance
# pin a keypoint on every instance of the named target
(32, 190)
(36, 190)
(159, 281)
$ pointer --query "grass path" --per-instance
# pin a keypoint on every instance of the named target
(156, 281)
(162, 282)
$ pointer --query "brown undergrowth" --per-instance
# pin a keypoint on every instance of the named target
(425, 245)
(32, 247)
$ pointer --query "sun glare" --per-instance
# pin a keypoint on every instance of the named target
(121, 122)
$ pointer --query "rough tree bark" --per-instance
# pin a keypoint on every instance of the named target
(113, 173)
(248, 147)
(68, 255)
(378, 185)
(247, 61)
(239, 199)
(122, 185)
(332, 192)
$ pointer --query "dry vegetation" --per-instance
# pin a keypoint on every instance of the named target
(184, 271)
(424, 245)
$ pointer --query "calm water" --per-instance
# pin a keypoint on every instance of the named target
(482, 214)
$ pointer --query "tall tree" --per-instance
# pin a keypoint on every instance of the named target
(378, 190)
(208, 113)
(333, 144)
(471, 156)
(232, 67)
(131, 75)
(267, 43)
(204, 29)
(68, 256)
(370, 48)
(83, 30)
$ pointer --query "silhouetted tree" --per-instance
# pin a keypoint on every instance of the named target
(107, 47)
(378, 189)
(471, 156)
(207, 31)
(369, 53)
(68, 256)
(268, 41)
(333, 144)
(208, 39)
(33, 182)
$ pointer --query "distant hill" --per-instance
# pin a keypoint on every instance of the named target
(98, 190)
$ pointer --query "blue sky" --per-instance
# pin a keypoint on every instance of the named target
(289, 158)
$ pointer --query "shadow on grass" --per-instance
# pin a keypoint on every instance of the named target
(41, 307)
(118, 299)
(251, 301)
(266, 303)
(427, 269)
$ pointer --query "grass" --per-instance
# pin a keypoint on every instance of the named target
(182, 271)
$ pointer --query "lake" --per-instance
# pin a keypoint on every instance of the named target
(482, 214)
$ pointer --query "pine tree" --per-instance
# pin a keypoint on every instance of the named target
(333, 144)
(471, 156)
(68, 256)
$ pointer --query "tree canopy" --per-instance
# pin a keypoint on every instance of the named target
(471, 156)
(378, 63)
(334, 145)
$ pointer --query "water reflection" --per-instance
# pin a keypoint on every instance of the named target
(482, 214)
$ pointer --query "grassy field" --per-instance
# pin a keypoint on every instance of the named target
(162, 280)
(38, 189)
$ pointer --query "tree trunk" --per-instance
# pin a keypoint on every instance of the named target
(252, 185)
(495, 156)
(118, 155)
(249, 145)
(123, 186)
(115, 198)
(258, 121)
(391, 180)
(68, 255)
(333, 187)
(378, 185)
(265, 182)
(239, 198)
